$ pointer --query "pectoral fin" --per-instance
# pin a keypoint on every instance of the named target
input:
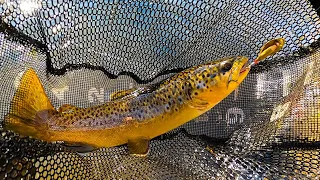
(198, 103)
(139, 147)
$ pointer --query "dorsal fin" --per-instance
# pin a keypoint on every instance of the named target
(67, 108)
(134, 91)
(121, 94)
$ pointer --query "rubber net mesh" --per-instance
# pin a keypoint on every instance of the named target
(85, 50)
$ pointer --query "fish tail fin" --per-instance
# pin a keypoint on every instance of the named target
(30, 108)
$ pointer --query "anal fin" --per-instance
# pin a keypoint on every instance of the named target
(139, 147)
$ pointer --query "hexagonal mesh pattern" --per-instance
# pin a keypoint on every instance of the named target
(25, 158)
(148, 38)
(269, 128)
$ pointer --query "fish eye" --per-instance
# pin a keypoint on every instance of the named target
(226, 67)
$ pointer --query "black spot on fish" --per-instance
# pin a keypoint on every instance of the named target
(213, 75)
(196, 93)
(203, 76)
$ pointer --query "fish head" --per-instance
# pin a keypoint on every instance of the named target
(214, 81)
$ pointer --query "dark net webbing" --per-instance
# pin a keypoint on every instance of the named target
(269, 128)
(148, 38)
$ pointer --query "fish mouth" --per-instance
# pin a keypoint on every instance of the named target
(238, 70)
(240, 74)
(245, 66)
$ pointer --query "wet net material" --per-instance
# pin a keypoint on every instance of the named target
(84, 51)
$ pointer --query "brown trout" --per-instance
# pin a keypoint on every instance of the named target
(132, 118)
